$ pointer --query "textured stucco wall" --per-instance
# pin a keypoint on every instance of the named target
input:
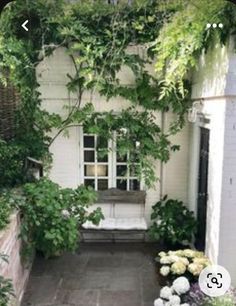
(66, 156)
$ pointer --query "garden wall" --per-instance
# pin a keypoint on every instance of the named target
(11, 246)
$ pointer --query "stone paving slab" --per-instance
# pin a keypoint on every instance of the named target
(101, 274)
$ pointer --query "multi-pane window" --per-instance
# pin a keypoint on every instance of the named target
(126, 173)
(96, 166)
(104, 167)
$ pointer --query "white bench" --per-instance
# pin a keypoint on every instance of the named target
(120, 223)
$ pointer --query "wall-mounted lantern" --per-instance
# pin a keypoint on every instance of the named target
(194, 111)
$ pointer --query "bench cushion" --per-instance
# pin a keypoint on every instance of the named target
(118, 224)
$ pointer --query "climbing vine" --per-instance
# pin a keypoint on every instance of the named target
(97, 37)
(181, 41)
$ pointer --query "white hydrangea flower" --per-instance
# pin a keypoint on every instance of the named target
(195, 269)
(181, 285)
(166, 293)
(185, 304)
(162, 254)
(174, 258)
(189, 253)
(65, 213)
(178, 267)
(180, 253)
(165, 260)
(165, 270)
(202, 261)
(175, 300)
(159, 302)
(184, 260)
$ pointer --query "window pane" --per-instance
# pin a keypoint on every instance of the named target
(89, 170)
(102, 170)
(121, 158)
(102, 142)
(89, 142)
(90, 183)
(134, 170)
(134, 185)
(121, 170)
(102, 184)
(121, 184)
(102, 156)
(134, 157)
(89, 156)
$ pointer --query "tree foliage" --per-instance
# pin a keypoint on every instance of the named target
(182, 40)
(53, 216)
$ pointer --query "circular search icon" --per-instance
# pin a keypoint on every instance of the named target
(214, 280)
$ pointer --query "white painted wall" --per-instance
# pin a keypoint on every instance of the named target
(66, 167)
(214, 81)
(227, 234)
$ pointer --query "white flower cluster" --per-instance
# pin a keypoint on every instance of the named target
(65, 214)
(181, 261)
(170, 296)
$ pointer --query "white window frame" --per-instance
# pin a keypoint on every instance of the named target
(112, 165)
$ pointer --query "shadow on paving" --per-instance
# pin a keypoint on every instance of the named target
(103, 274)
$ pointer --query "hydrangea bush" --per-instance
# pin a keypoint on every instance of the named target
(186, 262)
(52, 216)
(180, 293)
(184, 267)
(173, 223)
(173, 295)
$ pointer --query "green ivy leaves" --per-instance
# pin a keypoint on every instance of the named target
(172, 223)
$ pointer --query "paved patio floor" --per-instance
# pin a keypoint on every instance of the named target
(97, 275)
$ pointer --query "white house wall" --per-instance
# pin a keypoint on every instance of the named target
(214, 81)
(175, 172)
(209, 83)
(65, 168)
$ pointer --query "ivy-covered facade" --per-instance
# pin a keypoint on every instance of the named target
(105, 90)
(77, 156)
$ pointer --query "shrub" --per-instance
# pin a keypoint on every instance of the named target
(11, 164)
(172, 223)
(52, 216)
(188, 263)
(5, 209)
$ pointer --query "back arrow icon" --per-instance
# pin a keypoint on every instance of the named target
(24, 25)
